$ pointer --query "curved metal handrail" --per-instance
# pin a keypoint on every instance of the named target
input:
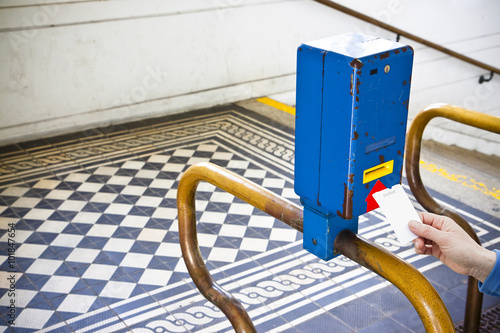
(244, 189)
(410, 281)
(413, 147)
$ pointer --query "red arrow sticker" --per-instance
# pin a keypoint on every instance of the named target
(371, 204)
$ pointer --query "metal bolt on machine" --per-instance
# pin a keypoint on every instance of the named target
(351, 115)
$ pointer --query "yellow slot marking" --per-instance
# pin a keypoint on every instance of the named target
(378, 171)
(277, 105)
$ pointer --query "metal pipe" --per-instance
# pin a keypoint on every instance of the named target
(404, 276)
(413, 147)
(244, 189)
(427, 302)
(411, 36)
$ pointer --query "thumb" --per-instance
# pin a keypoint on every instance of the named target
(423, 230)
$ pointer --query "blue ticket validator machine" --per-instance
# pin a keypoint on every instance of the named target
(351, 111)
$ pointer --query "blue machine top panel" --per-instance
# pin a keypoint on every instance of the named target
(355, 45)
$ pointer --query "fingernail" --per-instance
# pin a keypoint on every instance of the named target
(413, 224)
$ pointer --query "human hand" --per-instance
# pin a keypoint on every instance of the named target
(441, 237)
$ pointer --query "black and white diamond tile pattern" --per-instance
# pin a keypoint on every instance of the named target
(92, 237)
(97, 243)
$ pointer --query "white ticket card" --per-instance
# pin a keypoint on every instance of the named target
(398, 209)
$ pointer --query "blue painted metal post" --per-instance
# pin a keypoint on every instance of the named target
(352, 108)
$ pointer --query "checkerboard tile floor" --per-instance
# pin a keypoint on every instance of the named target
(91, 223)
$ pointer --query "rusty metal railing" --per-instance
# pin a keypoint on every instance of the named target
(413, 147)
(410, 281)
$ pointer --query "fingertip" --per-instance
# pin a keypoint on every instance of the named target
(418, 247)
(415, 244)
(418, 242)
(413, 224)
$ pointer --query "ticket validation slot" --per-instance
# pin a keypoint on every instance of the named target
(351, 114)
(377, 172)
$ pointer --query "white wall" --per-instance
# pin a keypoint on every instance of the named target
(78, 64)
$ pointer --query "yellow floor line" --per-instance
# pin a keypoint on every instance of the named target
(466, 181)
(277, 105)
